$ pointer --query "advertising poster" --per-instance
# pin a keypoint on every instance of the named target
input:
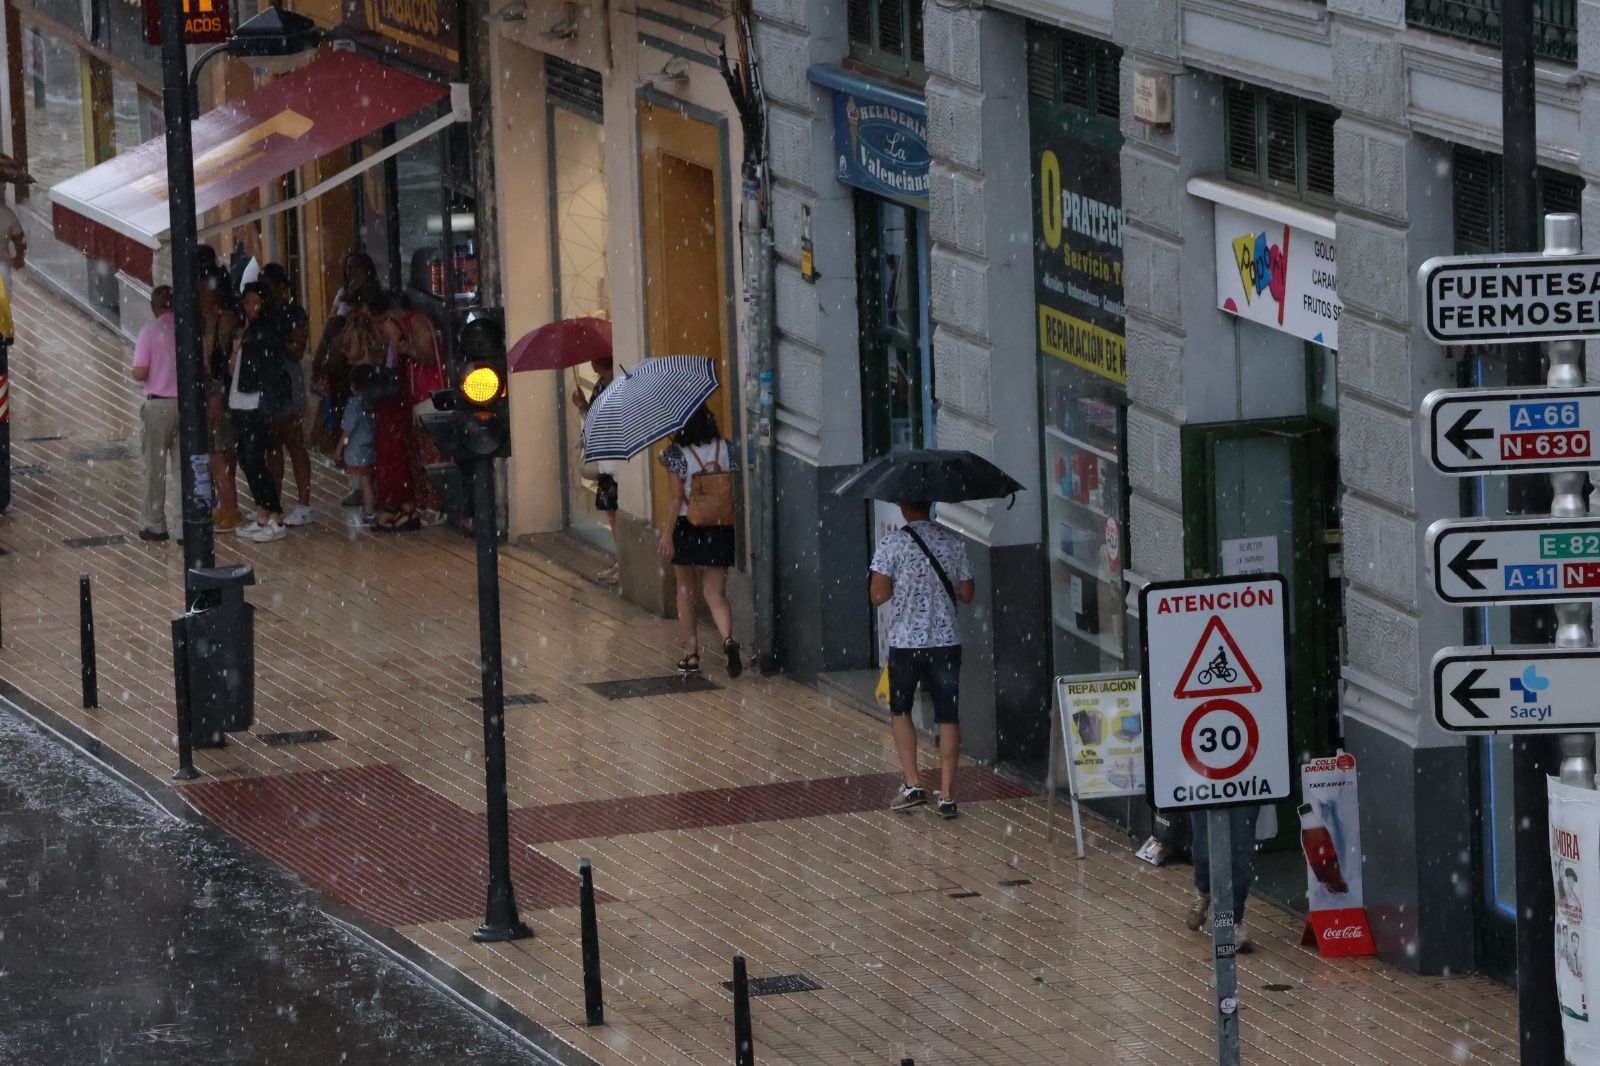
(1102, 723)
(1575, 868)
(1330, 839)
(1077, 242)
(1278, 275)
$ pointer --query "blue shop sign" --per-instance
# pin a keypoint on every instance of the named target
(880, 136)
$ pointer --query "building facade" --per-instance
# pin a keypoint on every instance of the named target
(1171, 361)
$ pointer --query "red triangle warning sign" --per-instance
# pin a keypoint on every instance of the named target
(1217, 667)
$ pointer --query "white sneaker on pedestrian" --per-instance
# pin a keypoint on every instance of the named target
(255, 531)
(1196, 914)
(1241, 940)
(300, 515)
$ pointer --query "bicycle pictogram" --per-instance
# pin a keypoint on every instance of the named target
(1218, 670)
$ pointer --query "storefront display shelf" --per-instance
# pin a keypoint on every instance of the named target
(1082, 444)
(1055, 490)
(1110, 644)
(1096, 570)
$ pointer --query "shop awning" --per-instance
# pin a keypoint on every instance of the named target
(118, 210)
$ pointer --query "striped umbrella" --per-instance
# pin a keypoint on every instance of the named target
(645, 404)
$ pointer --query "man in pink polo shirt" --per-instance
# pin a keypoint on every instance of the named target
(155, 364)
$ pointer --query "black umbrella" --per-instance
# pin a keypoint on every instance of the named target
(929, 474)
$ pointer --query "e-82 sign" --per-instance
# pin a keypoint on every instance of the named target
(204, 21)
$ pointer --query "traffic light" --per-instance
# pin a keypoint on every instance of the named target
(482, 404)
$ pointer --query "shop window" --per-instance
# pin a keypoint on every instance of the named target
(1080, 72)
(1280, 143)
(53, 87)
(888, 35)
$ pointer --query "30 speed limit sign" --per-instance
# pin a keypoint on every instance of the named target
(1216, 695)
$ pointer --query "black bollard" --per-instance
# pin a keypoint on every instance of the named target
(180, 674)
(594, 1011)
(91, 686)
(744, 1044)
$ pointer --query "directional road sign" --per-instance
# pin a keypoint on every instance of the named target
(1517, 689)
(1483, 431)
(1528, 560)
(1216, 701)
(1498, 299)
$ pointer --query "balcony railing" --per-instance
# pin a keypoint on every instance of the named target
(1555, 23)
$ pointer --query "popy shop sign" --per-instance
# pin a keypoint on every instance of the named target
(1278, 275)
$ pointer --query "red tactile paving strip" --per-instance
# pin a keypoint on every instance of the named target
(379, 842)
(738, 806)
(400, 853)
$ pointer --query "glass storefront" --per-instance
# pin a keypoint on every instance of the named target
(52, 81)
(1077, 207)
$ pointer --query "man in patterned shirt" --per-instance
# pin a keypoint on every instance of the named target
(921, 570)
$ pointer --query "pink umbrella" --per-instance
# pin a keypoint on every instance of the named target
(558, 345)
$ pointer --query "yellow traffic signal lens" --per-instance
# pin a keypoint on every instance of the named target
(481, 385)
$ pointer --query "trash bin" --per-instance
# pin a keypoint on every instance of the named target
(222, 655)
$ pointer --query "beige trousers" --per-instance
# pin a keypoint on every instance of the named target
(159, 419)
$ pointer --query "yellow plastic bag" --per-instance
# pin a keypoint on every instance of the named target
(881, 693)
(6, 329)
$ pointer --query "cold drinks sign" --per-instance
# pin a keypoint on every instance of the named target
(1216, 700)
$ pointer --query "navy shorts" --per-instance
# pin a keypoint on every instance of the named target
(937, 670)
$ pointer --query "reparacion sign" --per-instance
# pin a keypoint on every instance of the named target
(1496, 299)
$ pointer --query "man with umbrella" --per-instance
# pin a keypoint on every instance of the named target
(921, 571)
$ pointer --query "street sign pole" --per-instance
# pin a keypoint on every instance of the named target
(1219, 834)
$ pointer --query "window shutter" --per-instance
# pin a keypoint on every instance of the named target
(860, 18)
(1560, 194)
(1108, 81)
(1472, 196)
(1243, 151)
(1075, 72)
(1282, 156)
(577, 87)
(917, 56)
(1319, 151)
(1041, 64)
(891, 26)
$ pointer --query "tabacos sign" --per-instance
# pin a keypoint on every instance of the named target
(882, 149)
(1278, 275)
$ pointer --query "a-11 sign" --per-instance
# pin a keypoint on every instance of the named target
(1516, 690)
(1526, 560)
(204, 21)
(1480, 431)
(1501, 299)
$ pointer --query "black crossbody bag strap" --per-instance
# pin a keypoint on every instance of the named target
(944, 579)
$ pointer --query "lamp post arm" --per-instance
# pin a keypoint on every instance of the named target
(193, 88)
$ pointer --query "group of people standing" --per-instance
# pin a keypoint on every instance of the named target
(379, 360)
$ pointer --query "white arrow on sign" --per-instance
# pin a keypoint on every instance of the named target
(1521, 560)
(1517, 689)
(1499, 299)
(1478, 431)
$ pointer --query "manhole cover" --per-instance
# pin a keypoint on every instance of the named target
(28, 470)
(302, 736)
(95, 542)
(513, 699)
(653, 686)
(110, 454)
(778, 986)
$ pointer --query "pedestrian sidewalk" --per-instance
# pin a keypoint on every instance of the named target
(743, 817)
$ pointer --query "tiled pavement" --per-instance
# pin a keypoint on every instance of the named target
(746, 819)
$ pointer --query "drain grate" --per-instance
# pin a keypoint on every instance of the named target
(28, 470)
(653, 686)
(1277, 988)
(104, 455)
(964, 895)
(32, 440)
(95, 542)
(1018, 883)
(513, 699)
(778, 986)
(301, 736)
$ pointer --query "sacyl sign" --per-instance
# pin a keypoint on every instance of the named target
(1506, 298)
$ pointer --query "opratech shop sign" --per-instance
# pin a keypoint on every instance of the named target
(1330, 839)
(1278, 275)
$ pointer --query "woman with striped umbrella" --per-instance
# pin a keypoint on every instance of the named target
(666, 396)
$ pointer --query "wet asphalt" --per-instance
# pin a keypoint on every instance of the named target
(128, 937)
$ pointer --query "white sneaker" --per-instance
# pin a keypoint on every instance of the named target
(263, 533)
(1241, 940)
(301, 515)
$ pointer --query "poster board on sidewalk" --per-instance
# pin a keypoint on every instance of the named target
(1097, 737)
(1330, 843)
(1575, 866)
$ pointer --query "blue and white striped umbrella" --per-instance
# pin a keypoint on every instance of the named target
(642, 405)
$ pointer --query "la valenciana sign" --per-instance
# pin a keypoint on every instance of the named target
(204, 21)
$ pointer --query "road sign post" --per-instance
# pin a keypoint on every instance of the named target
(1216, 723)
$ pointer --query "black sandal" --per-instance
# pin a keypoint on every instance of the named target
(403, 521)
(689, 664)
(730, 648)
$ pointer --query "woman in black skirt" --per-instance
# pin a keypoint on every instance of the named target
(700, 554)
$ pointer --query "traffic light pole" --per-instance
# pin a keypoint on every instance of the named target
(500, 915)
(193, 434)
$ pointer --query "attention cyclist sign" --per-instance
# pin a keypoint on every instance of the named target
(1216, 695)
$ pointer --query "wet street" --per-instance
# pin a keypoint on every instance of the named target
(128, 937)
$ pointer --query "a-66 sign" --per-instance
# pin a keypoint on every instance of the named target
(1479, 431)
(204, 21)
